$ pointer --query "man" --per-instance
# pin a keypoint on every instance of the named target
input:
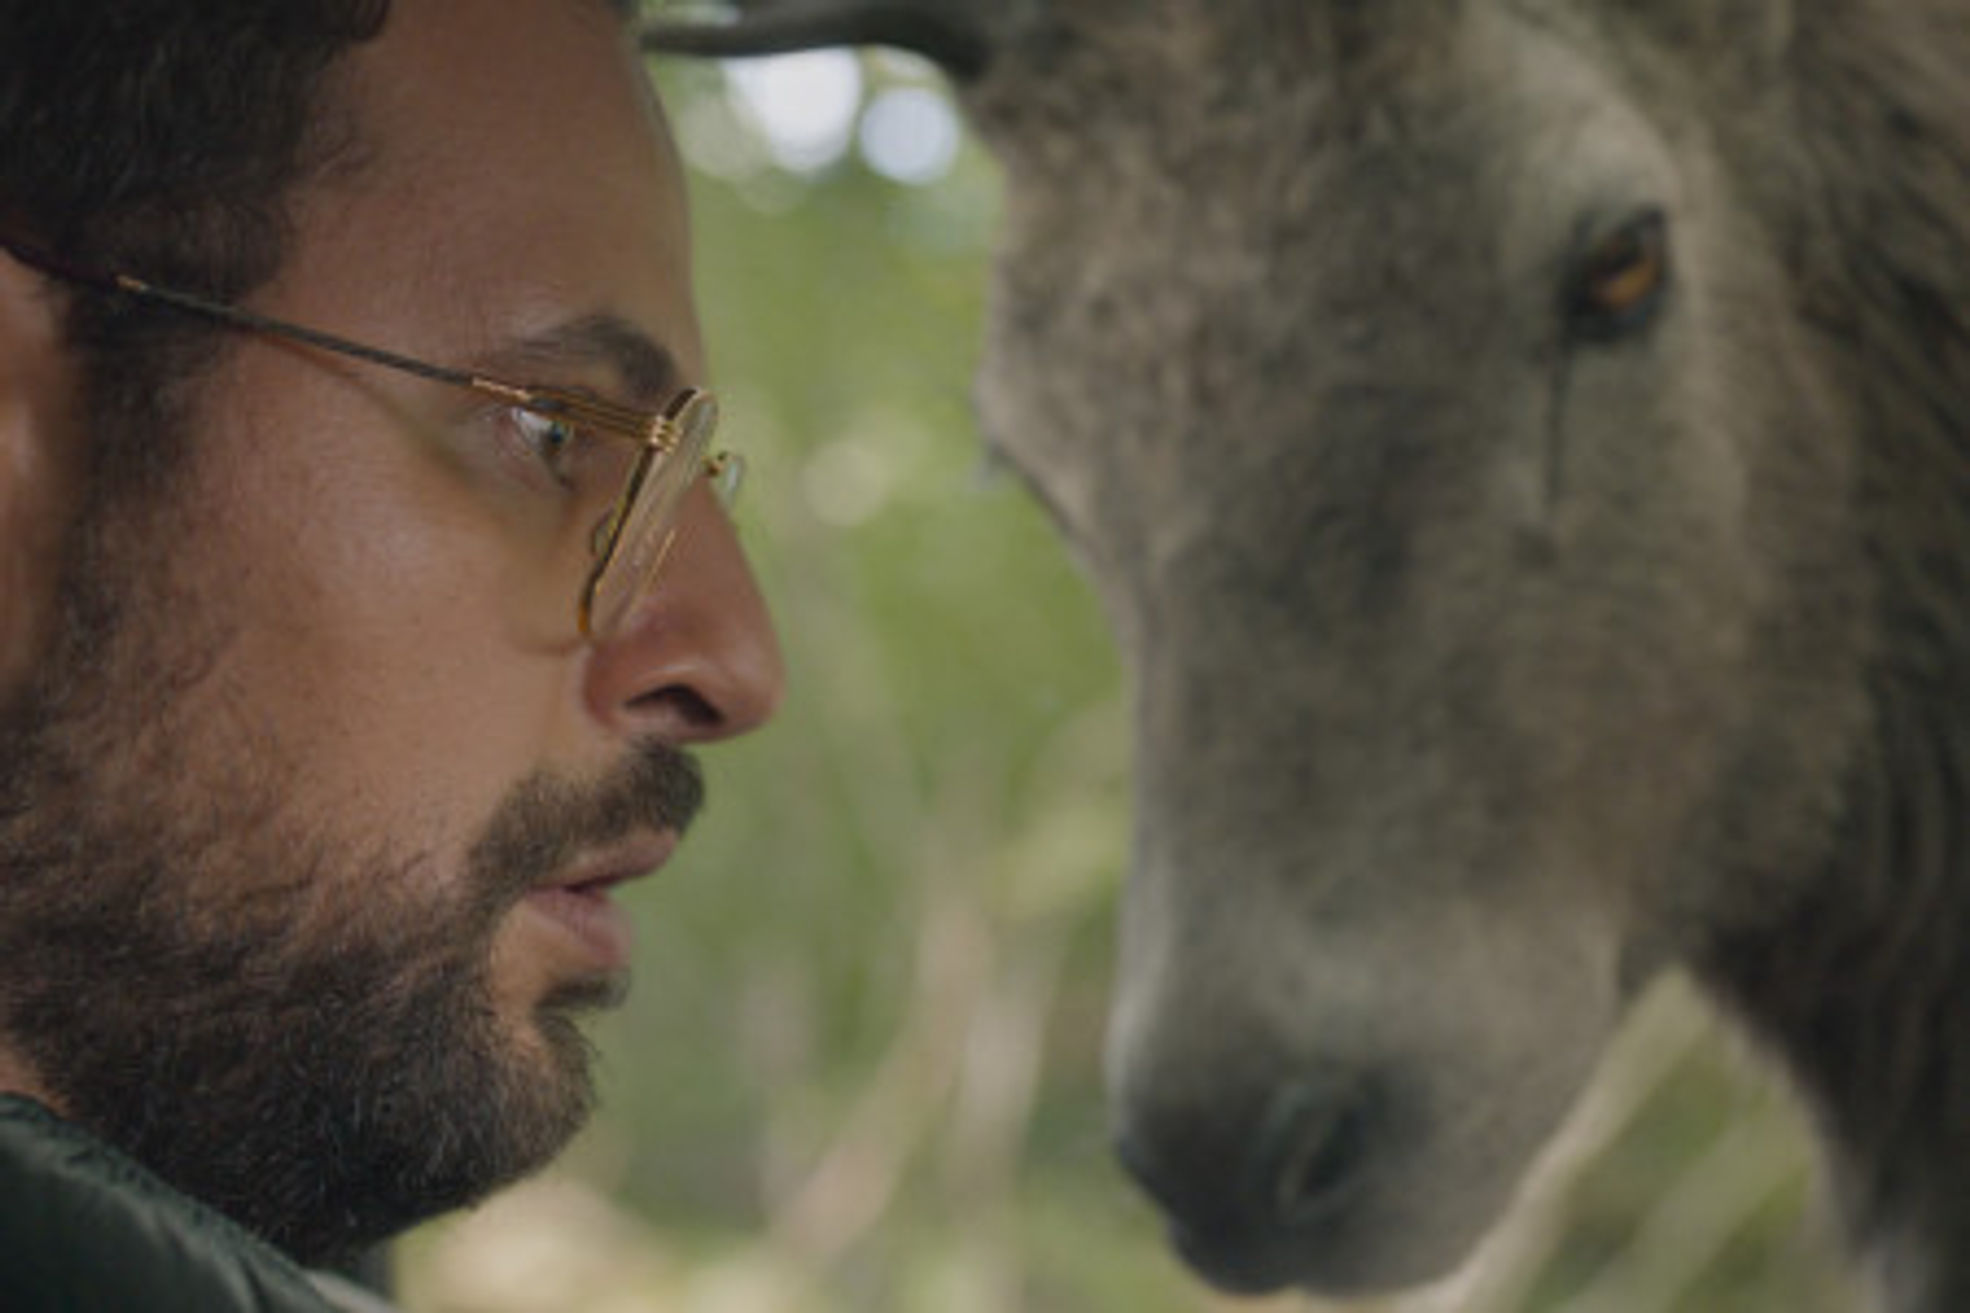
(361, 589)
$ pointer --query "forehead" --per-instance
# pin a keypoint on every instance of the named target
(526, 72)
(507, 162)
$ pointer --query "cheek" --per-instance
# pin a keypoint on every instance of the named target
(31, 511)
(373, 610)
(38, 501)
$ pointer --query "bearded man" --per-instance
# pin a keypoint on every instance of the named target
(364, 583)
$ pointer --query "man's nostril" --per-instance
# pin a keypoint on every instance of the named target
(680, 703)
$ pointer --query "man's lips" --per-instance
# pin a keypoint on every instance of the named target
(577, 899)
(604, 868)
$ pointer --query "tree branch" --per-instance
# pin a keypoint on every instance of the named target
(941, 32)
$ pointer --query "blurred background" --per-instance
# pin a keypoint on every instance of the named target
(861, 1067)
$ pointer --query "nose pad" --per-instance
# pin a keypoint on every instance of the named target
(1240, 1179)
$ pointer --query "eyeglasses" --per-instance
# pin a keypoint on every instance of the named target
(629, 543)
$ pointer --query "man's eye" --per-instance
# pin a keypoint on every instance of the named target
(549, 440)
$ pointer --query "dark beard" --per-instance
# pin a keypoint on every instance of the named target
(292, 1024)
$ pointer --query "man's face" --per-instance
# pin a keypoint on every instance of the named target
(307, 819)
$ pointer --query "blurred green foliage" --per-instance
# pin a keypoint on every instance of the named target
(860, 1070)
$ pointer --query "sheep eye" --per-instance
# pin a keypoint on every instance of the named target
(1618, 282)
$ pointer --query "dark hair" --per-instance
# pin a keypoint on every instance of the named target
(162, 137)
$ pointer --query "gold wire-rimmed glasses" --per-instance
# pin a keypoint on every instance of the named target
(628, 544)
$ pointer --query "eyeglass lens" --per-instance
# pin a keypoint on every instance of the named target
(646, 522)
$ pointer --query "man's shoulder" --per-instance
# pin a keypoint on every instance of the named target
(83, 1226)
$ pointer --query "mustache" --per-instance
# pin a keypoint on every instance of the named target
(546, 819)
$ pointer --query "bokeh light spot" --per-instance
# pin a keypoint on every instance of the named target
(910, 135)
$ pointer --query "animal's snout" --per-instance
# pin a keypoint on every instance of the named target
(1249, 1186)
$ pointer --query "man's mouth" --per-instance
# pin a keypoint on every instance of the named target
(579, 901)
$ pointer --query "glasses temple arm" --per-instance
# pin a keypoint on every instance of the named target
(624, 420)
(127, 285)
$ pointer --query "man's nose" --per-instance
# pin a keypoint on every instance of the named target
(697, 659)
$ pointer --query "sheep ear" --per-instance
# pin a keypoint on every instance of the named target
(954, 33)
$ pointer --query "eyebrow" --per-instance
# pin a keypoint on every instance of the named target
(647, 370)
